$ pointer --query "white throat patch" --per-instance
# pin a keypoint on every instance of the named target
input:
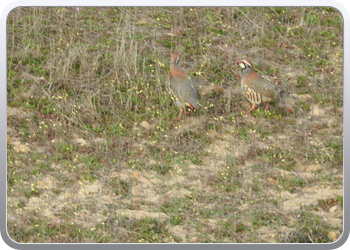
(242, 65)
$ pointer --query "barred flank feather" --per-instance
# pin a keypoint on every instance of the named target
(252, 96)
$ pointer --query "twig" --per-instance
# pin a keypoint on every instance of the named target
(250, 19)
(310, 238)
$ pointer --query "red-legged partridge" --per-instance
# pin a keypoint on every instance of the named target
(181, 87)
(255, 88)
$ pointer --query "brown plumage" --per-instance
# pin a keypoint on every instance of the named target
(181, 87)
(255, 88)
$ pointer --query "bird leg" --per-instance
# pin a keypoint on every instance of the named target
(267, 105)
(251, 109)
(189, 110)
(179, 118)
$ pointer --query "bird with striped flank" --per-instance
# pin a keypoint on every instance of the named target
(255, 88)
(181, 87)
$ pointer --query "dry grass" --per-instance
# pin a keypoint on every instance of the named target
(94, 151)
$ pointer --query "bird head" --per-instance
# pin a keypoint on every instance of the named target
(245, 63)
(175, 57)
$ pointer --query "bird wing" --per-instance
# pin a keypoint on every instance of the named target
(184, 90)
(263, 87)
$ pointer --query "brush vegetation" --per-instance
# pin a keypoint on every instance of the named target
(94, 152)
